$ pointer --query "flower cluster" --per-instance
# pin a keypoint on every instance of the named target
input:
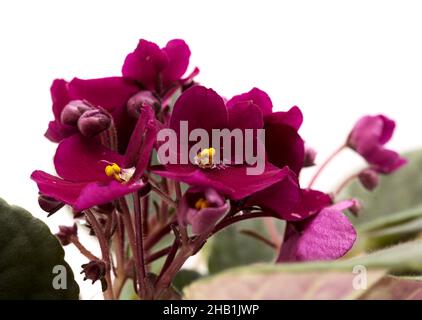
(109, 173)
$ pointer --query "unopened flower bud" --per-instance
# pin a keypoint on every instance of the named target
(93, 122)
(310, 155)
(49, 204)
(94, 270)
(356, 207)
(369, 179)
(65, 233)
(73, 111)
(141, 100)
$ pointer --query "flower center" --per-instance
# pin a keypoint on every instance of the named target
(204, 159)
(119, 174)
(201, 204)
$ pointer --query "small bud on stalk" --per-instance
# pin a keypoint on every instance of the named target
(141, 100)
(369, 179)
(73, 111)
(65, 233)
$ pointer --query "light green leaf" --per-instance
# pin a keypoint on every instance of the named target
(312, 280)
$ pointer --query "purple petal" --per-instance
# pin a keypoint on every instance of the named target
(98, 193)
(325, 236)
(81, 159)
(201, 108)
(205, 219)
(281, 197)
(385, 161)
(233, 182)
(108, 93)
(60, 96)
(145, 63)
(256, 96)
(245, 115)
(284, 146)
(56, 131)
(292, 117)
(178, 54)
(57, 188)
(311, 202)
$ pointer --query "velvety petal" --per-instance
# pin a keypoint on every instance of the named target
(137, 138)
(82, 160)
(292, 117)
(311, 202)
(245, 115)
(57, 188)
(108, 93)
(366, 134)
(256, 96)
(281, 197)
(233, 182)
(145, 63)
(384, 161)
(97, 193)
(56, 132)
(201, 108)
(387, 129)
(325, 236)
(284, 146)
(178, 55)
(205, 219)
(59, 96)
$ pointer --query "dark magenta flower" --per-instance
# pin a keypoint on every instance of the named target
(201, 208)
(91, 174)
(325, 235)
(284, 147)
(368, 138)
(158, 69)
(65, 233)
(203, 108)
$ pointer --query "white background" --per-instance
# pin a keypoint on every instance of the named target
(336, 60)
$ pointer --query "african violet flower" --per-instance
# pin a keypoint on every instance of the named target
(91, 174)
(327, 235)
(203, 108)
(284, 147)
(158, 69)
(368, 138)
(201, 208)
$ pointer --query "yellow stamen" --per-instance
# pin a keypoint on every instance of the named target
(204, 159)
(201, 204)
(113, 170)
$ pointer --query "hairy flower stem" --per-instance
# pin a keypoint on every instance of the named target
(324, 165)
(344, 184)
(139, 234)
(108, 293)
(88, 254)
(127, 221)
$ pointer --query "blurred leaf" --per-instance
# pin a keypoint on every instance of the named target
(29, 252)
(395, 288)
(397, 198)
(185, 277)
(231, 248)
(312, 280)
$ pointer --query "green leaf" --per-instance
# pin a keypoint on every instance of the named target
(29, 252)
(397, 198)
(311, 280)
(230, 248)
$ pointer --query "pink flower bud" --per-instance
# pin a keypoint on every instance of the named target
(65, 233)
(73, 111)
(93, 122)
(49, 204)
(141, 100)
(369, 179)
(310, 155)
